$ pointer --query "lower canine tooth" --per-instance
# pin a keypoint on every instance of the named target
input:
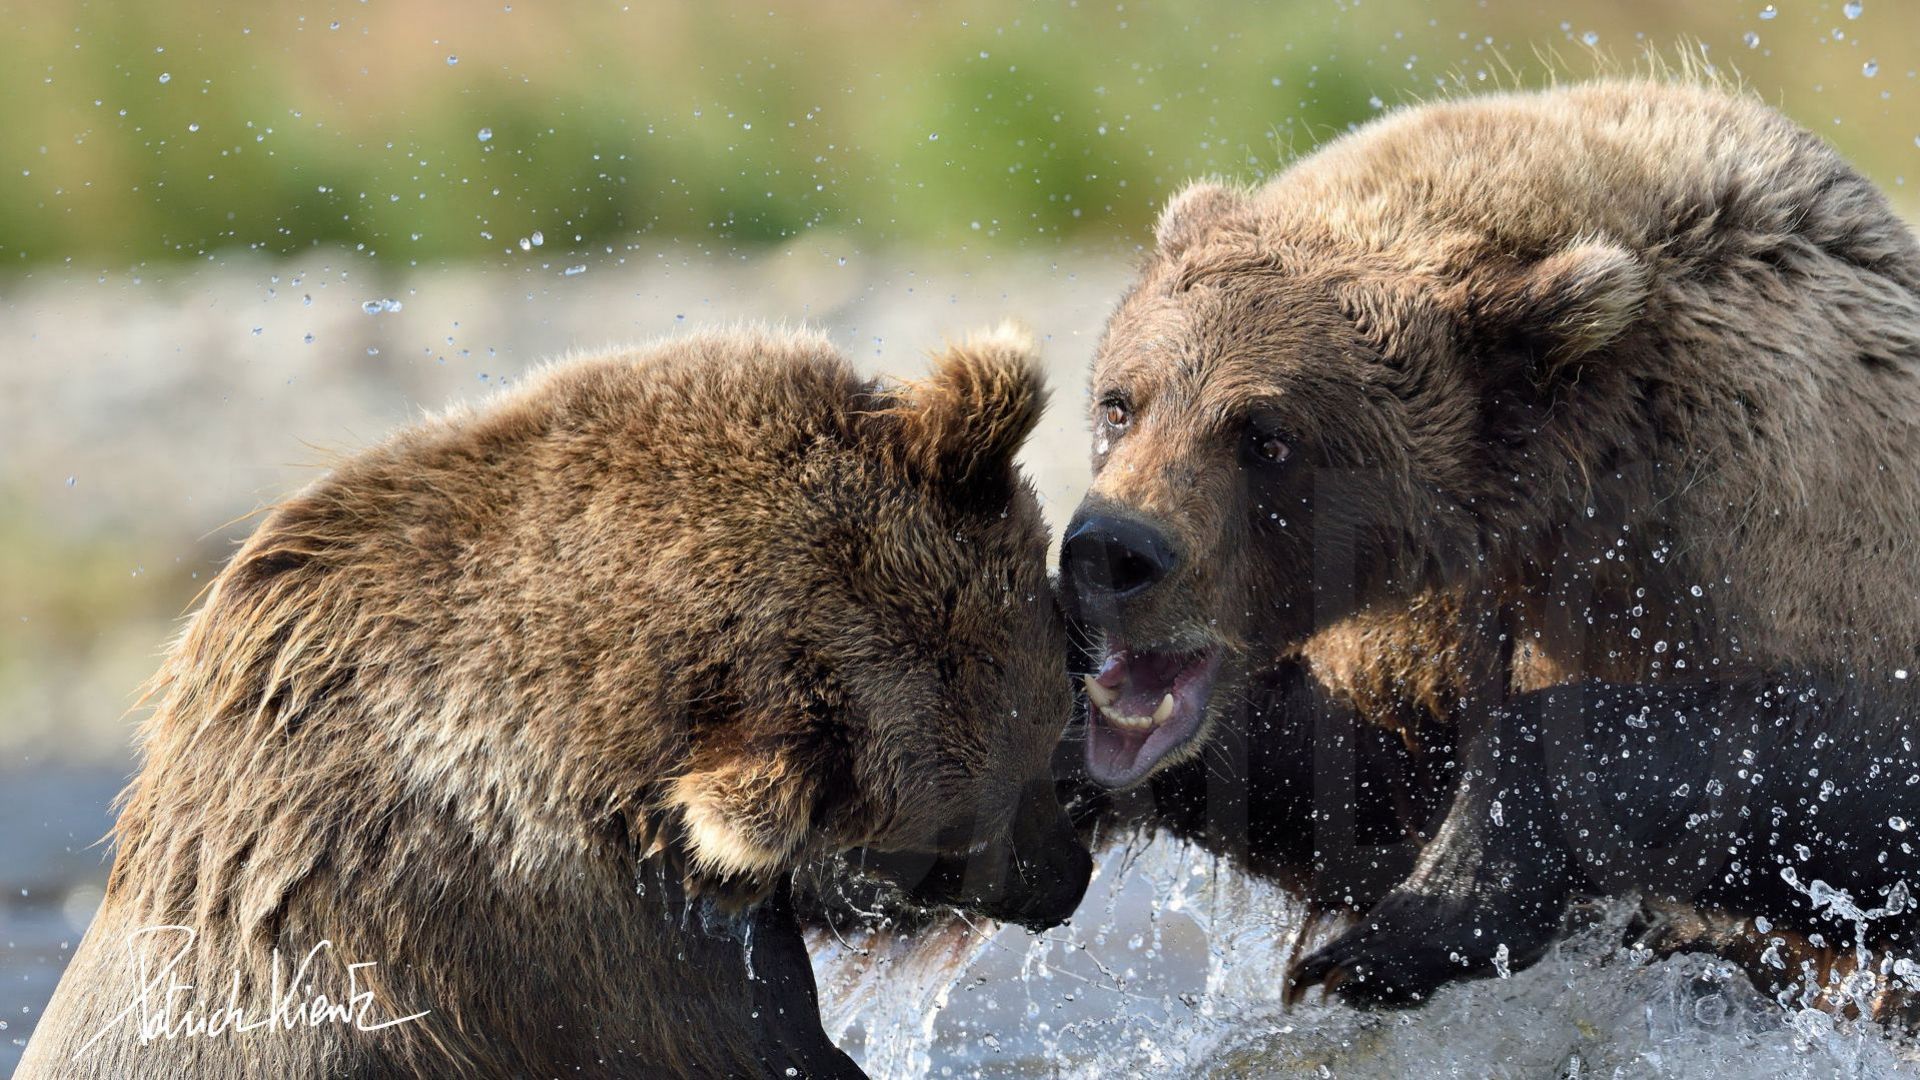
(1165, 712)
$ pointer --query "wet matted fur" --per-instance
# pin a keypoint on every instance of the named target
(534, 706)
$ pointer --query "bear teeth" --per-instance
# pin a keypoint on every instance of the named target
(1161, 715)
(1100, 695)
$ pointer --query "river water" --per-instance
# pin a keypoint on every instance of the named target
(1172, 968)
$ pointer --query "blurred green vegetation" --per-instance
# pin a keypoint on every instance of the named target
(444, 129)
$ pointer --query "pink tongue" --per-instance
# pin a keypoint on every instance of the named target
(1115, 752)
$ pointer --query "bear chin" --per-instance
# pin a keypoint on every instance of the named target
(1146, 708)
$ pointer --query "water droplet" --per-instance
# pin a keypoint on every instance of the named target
(1852, 8)
(486, 134)
(526, 244)
(1752, 39)
(193, 127)
(309, 338)
(1897, 823)
(166, 76)
(572, 270)
(72, 480)
(1870, 68)
(452, 60)
(933, 137)
(1590, 38)
(538, 238)
(1769, 11)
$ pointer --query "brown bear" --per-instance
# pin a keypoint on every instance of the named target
(491, 753)
(1617, 381)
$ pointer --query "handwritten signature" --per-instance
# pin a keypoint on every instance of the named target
(164, 1007)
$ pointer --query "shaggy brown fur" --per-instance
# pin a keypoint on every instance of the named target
(1625, 372)
(1633, 278)
(524, 704)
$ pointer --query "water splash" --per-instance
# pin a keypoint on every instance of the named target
(1172, 968)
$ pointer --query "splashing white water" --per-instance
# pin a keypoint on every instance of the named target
(1173, 968)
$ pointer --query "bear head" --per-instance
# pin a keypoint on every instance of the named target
(1295, 420)
(893, 679)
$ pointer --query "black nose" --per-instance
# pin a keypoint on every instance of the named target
(1114, 556)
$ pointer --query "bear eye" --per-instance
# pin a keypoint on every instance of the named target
(1116, 413)
(1270, 448)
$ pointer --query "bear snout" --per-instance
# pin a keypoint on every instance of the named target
(1108, 558)
(1034, 872)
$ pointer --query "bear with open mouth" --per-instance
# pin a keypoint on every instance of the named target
(1615, 386)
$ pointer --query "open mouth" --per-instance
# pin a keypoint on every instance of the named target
(1143, 707)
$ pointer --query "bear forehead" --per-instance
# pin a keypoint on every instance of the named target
(1231, 340)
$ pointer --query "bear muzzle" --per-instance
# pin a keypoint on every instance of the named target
(1033, 873)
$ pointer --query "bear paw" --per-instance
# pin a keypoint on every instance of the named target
(1404, 951)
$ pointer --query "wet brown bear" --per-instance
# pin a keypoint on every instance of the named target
(530, 711)
(1618, 381)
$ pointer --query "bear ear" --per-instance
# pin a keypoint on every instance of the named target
(745, 819)
(1567, 306)
(1189, 216)
(961, 425)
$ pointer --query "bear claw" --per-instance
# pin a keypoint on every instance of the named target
(1363, 974)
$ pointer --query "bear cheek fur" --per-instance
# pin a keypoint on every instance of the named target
(746, 818)
(953, 748)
